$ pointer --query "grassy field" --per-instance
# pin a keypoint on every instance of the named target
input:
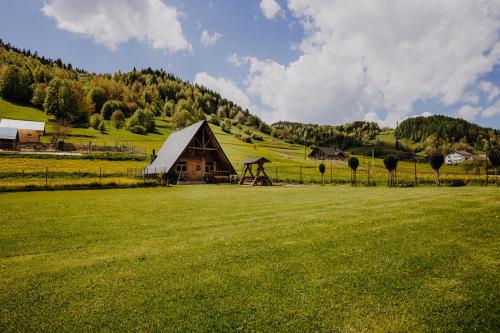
(226, 258)
(288, 160)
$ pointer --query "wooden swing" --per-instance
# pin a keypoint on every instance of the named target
(257, 178)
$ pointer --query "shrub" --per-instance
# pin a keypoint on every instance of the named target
(108, 108)
(118, 119)
(246, 138)
(182, 118)
(237, 135)
(457, 183)
(240, 126)
(138, 129)
(95, 120)
(226, 126)
(257, 137)
(144, 119)
(247, 132)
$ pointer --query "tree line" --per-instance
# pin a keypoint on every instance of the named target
(131, 100)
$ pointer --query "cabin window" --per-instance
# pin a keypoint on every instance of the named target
(209, 167)
(181, 167)
(28, 134)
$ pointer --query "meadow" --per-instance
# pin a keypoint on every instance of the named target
(228, 258)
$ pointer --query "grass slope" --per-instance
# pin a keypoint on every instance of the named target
(224, 258)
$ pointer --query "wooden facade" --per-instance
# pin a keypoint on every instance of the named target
(327, 153)
(28, 131)
(192, 155)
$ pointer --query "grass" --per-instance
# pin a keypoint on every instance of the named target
(227, 258)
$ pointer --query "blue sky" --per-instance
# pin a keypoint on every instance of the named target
(301, 60)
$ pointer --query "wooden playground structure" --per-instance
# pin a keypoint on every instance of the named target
(260, 178)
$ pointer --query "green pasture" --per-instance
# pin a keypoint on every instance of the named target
(228, 258)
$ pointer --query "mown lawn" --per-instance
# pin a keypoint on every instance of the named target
(227, 258)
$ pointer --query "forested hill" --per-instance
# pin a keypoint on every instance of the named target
(343, 136)
(447, 129)
(133, 98)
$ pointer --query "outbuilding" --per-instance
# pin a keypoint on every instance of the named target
(28, 131)
(8, 138)
(327, 153)
(192, 155)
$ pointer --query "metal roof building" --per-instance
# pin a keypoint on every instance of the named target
(8, 133)
(23, 124)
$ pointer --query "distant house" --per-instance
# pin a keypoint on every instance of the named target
(28, 131)
(327, 153)
(8, 138)
(457, 156)
(192, 154)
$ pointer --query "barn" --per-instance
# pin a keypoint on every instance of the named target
(28, 131)
(192, 155)
(8, 138)
(327, 153)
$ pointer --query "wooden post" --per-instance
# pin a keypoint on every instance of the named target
(276, 172)
(300, 174)
(46, 177)
(369, 170)
(100, 175)
(331, 172)
(415, 165)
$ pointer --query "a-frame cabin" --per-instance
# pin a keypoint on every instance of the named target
(194, 155)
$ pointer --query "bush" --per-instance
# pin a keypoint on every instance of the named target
(240, 126)
(108, 108)
(182, 118)
(237, 135)
(247, 132)
(257, 137)
(137, 129)
(118, 119)
(144, 119)
(95, 120)
(226, 126)
(246, 138)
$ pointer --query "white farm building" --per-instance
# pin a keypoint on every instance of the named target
(456, 157)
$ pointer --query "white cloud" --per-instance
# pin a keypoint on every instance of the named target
(209, 40)
(236, 60)
(492, 110)
(490, 90)
(361, 57)
(468, 112)
(426, 114)
(226, 88)
(270, 8)
(113, 22)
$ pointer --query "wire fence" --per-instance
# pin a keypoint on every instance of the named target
(335, 173)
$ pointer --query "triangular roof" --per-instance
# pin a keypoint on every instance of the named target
(176, 144)
(254, 160)
(23, 124)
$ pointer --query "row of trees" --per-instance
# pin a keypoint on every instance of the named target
(343, 136)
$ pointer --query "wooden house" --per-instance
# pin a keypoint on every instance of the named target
(28, 131)
(192, 154)
(327, 153)
(8, 138)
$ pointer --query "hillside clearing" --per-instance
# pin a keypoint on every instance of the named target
(224, 258)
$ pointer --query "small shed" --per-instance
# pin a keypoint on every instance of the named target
(28, 131)
(327, 153)
(192, 155)
(257, 178)
(8, 138)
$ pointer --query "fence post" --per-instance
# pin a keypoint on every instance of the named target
(300, 174)
(415, 163)
(331, 172)
(276, 174)
(46, 177)
(100, 175)
(369, 169)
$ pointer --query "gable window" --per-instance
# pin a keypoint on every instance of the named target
(209, 167)
(181, 167)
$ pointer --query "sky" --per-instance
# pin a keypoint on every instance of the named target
(312, 61)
